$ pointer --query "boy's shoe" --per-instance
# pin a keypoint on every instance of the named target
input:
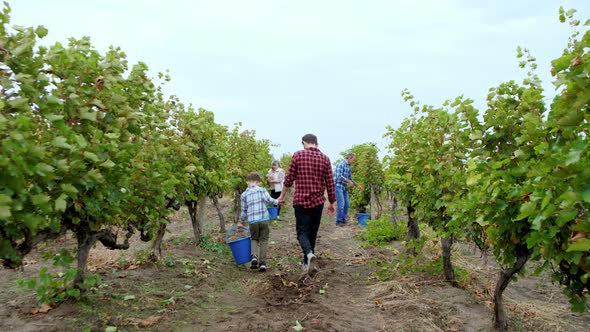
(312, 266)
(254, 263)
(262, 267)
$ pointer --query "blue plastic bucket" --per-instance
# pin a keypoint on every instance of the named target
(362, 218)
(274, 212)
(240, 248)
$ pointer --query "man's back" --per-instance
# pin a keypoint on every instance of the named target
(312, 171)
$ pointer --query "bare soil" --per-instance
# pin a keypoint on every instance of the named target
(202, 289)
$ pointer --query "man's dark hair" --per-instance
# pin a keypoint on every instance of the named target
(310, 138)
(253, 177)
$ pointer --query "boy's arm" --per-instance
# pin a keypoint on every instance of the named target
(244, 214)
(268, 199)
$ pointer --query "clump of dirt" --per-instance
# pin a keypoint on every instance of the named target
(287, 289)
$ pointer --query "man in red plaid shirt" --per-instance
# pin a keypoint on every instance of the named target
(312, 171)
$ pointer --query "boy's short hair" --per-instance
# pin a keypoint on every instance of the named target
(253, 177)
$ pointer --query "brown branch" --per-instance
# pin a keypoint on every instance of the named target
(28, 244)
(109, 239)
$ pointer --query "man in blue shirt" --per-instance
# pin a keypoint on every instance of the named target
(342, 179)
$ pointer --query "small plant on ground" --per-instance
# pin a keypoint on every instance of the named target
(141, 257)
(382, 231)
(409, 264)
(57, 287)
(181, 240)
(209, 244)
(169, 261)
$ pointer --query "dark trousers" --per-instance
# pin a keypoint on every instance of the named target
(275, 194)
(307, 225)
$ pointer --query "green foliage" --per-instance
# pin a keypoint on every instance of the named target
(202, 153)
(122, 262)
(285, 161)
(83, 120)
(519, 178)
(208, 243)
(182, 240)
(408, 264)
(499, 191)
(381, 231)
(53, 288)
(90, 143)
(430, 151)
(247, 154)
(141, 258)
(169, 261)
(367, 171)
(559, 177)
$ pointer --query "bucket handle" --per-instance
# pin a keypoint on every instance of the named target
(233, 228)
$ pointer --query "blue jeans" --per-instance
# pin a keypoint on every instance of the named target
(343, 204)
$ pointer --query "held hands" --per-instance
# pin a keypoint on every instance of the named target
(281, 198)
(240, 225)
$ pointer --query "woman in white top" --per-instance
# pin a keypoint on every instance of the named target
(276, 176)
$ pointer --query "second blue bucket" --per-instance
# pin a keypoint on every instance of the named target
(362, 218)
(274, 212)
(240, 248)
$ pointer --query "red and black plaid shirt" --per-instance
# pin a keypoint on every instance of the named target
(312, 171)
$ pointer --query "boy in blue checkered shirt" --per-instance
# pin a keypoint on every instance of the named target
(254, 210)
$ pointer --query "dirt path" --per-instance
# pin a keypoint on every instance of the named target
(333, 300)
(201, 289)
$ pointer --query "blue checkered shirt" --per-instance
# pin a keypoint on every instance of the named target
(342, 172)
(254, 201)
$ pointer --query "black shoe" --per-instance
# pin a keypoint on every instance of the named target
(254, 263)
(262, 267)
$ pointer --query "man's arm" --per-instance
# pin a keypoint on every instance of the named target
(330, 189)
(339, 171)
(352, 183)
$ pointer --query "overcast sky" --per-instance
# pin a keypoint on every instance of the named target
(332, 68)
